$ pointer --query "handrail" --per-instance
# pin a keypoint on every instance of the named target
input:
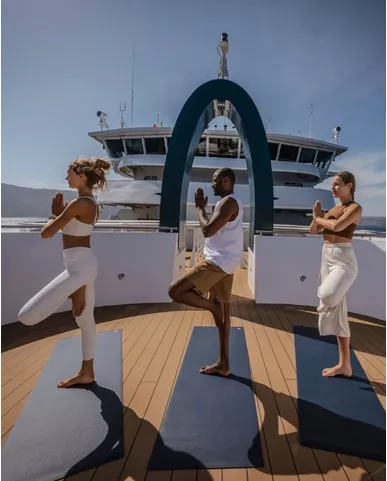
(120, 225)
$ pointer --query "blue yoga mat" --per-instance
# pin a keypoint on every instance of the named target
(211, 421)
(337, 414)
(65, 431)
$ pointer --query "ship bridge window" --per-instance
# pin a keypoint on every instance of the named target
(223, 147)
(116, 148)
(155, 145)
(323, 156)
(201, 150)
(293, 184)
(288, 153)
(307, 155)
(134, 146)
(273, 149)
(150, 177)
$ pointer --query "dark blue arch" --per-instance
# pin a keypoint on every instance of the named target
(194, 117)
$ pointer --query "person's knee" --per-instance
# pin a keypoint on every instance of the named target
(174, 291)
(26, 316)
(178, 288)
(328, 297)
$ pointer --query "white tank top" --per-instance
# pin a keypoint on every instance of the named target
(77, 228)
(225, 248)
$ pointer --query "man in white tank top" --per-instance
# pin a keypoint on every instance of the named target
(223, 250)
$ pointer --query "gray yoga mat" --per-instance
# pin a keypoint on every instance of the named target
(338, 414)
(211, 421)
(65, 431)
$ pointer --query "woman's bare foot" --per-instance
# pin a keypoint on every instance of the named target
(218, 368)
(78, 299)
(84, 376)
(80, 378)
(218, 315)
(339, 370)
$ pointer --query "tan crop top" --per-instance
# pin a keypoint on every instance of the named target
(336, 213)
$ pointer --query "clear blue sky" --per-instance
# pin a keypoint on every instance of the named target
(63, 61)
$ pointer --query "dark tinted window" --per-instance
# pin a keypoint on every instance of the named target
(155, 145)
(134, 146)
(288, 153)
(116, 148)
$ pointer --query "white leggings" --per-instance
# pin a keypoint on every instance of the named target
(81, 268)
(338, 273)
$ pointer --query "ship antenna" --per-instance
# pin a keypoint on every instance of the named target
(131, 113)
(310, 121)
(223, 47)
(122, 110)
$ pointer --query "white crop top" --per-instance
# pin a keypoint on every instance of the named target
(77, 228)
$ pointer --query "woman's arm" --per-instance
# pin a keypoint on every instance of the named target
(314, 228)
(350, 216)
(57, 223)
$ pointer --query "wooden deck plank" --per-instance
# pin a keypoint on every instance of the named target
(264, 370)
(137, 396)
(234, 475)
(17, 386)
(136, 464)
(155, 338)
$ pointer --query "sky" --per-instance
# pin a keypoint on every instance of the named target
(64, 61)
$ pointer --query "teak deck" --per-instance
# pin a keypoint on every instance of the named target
(154, 341)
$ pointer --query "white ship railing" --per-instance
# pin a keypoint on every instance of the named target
(150, 225)
(197, 245)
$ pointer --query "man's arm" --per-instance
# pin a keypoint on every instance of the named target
(202, 217)
(226, 211)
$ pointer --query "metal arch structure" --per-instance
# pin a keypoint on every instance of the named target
(200, 108)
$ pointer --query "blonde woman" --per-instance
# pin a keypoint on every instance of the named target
(76, 221)
(338, 266)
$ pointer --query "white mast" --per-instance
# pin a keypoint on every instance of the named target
(223, 47)
(311, 119)
(131, 113)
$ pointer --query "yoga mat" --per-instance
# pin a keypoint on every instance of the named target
(211, 421)
(337, 414)
(65, 431)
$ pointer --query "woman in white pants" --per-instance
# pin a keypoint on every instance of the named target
(338, 266)
(76, 220)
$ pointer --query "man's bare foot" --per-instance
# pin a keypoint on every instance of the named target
(338, 370)
(79, 301)
(218, 368)
(80, 378)
(218, 315)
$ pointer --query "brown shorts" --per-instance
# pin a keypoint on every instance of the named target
(208, 277)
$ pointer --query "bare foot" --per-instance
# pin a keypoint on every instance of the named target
(79, 301)
(80, 378)
(218, 315)
(217, 368)
(338, 370)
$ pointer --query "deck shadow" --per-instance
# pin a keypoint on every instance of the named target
(369, 338)
(16, 334)
(140, 436)
(279, 405)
